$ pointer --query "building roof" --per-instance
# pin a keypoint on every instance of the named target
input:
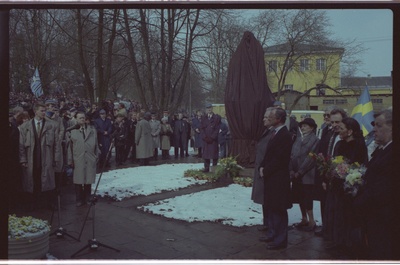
(372, 82)
(307, 48)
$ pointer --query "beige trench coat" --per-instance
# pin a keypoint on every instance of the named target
(83, 155)
(143, 140)
(50, 152)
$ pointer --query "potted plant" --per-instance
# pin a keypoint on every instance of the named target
(28, 237)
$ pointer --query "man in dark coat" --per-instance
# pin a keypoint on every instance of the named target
(180, 128)
(210, 126)
(374, 200)
(257, 192)
(275, 171)
(104, 129)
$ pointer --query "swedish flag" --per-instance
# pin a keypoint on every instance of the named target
(363, 112)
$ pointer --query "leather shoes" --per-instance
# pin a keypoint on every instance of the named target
(319, 232)
(265, 239)
(276, 247)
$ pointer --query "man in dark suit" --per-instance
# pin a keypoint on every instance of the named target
(374, 201)
(275, 171)
(104, 130)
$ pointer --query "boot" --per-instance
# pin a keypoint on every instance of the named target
(78, 195)
(87, 190)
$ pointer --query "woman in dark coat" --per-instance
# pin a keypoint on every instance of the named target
(338, 211)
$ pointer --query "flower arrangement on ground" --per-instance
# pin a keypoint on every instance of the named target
(199, 175)
(244, 181)
(26, 227)
(228, 165)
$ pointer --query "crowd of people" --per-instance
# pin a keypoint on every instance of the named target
(59, 140)
(357, 226)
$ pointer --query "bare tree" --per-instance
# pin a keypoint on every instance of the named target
(165, 39)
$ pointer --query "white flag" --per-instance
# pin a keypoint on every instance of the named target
(36, 85)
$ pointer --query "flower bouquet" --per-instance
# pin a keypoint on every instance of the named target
(354, 179)
(323, 163)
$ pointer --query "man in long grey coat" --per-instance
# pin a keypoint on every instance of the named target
(143, 140)
(39, 152)
(155, 133)
(83, 154)
(257, 192)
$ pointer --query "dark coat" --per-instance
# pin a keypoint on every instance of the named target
(276, 171)
(196, 124)
(209, 134)
(181, 129)
(375, 203)
(223, 133)
(104, 140)
(257, 190)
(120, 133)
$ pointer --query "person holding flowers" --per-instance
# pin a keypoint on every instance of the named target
(350, 151)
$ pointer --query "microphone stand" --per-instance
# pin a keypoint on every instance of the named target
(60, 232)
(93, 244)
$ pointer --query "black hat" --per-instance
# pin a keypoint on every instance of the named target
(208, 106)
(308, 121)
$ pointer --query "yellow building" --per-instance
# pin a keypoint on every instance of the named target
(302, 67)
(293, 71)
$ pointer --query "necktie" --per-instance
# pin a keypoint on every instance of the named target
(376, 151)
(209, 116)
(83, 133)
(38, 128)
(330, 145)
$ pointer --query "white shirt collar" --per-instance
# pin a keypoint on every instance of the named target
(383, 147)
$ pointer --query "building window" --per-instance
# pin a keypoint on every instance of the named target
(341, 101)
(377, 100)
(320, 91)
(328, 102)
(272, 66)
(289, 65)
(304, 65)
(288, 87)
(320, 64)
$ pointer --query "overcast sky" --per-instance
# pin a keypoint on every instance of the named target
(372, 28)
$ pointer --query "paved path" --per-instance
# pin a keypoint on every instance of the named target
(143, 236)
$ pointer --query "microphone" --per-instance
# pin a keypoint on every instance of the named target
(74, 127)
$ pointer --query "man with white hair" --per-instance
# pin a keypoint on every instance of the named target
(374, 201)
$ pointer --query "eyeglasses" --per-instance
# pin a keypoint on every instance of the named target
(327, 115)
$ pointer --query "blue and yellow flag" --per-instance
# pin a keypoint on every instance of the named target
(363, 112)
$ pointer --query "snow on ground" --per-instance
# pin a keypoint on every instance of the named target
(229, 205)
(145, 180)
